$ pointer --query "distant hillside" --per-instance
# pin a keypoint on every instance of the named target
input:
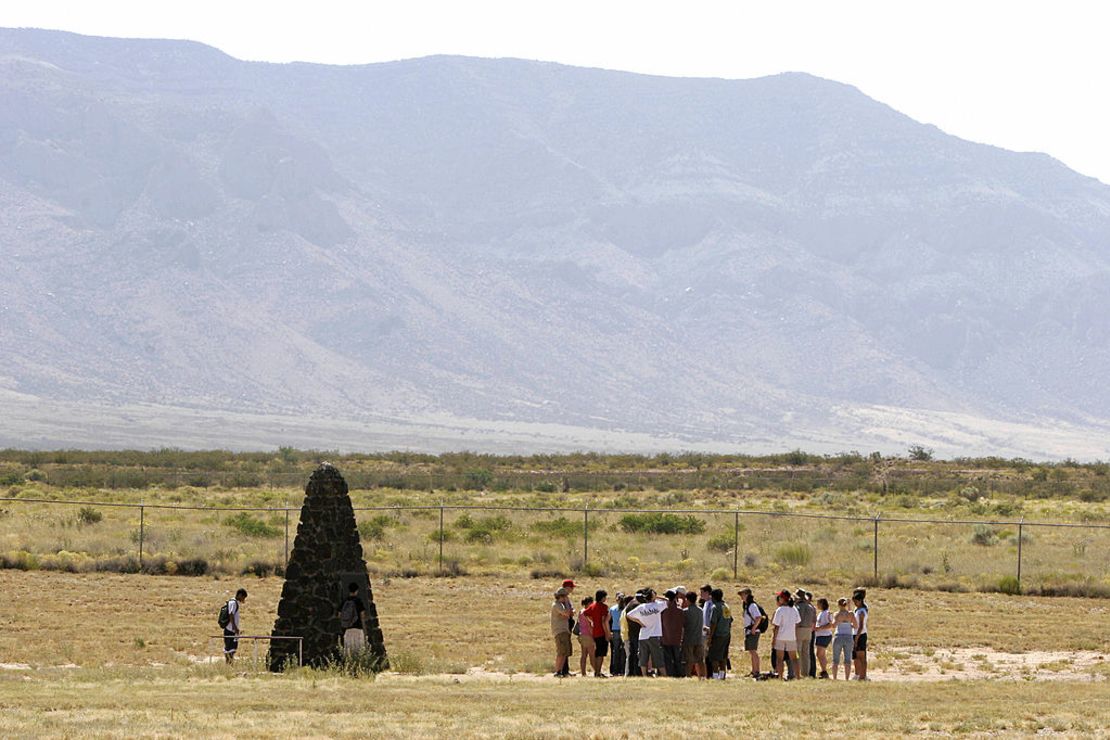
(454, 252)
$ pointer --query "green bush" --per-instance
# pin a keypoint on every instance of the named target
(251, 526)
(483, 529)
(1009, 585)
(374, 528)
(561, 527)
(722, 542)
(478, 479)
(984, 535)
(88, 515)
(794, 553)
(658, 523)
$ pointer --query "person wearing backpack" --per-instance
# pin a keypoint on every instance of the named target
(352, 619)
(755, 624)
(229, 621)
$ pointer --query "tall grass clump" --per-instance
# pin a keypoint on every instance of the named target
(794, 553)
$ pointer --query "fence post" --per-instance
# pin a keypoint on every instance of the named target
(876, 547)
(142, 527)
(736, 547)
(585, 536)
(441, 539)
(1021, 524)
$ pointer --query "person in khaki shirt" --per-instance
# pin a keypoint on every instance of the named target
(561, 613)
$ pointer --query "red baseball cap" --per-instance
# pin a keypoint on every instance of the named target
(569, 584)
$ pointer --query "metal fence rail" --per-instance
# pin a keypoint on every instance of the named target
(736, 514)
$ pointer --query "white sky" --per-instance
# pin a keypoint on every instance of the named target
(1029, 76)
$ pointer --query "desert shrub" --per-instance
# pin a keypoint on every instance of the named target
(125, 564)
(198, 567)
(548, 573)
(478, 479)
(251, 526)
(1082, 589)
(920, 452)
(10, 478)
(546, 487)
(35, 475)
(259, 568)
(561, 527)
(721, 574)
(406, 661)
(452, 568)
(1009, 585)
(88, 515)
(970, 493)
(794, 553)
(983, 535)
(18, 560)
(434, 536)
(374, 528)
(657, 523)
(483, 529)
(722, 542)
(751, 560)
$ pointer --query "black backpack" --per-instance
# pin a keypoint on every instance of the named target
(225, 616)
(348, 615)
(764, 623)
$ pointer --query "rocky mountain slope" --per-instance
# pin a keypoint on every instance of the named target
(757, 263)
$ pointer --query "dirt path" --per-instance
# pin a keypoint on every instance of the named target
(909, 664)
(903, 665)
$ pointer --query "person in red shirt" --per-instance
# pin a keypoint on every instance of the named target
(598, 614)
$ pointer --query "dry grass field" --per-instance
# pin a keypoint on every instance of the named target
(127, 655)
(517, 543)
(89, 651)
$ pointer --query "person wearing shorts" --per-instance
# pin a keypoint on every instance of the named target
(844, 627)
(649, 615)
(598, 614)
(862, 621)
(822, 636)
(561, 614)
(752, 618)
(784, 641)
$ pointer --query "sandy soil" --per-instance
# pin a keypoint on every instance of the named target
(909, 664)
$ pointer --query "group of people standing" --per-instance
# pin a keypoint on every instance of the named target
(688, 632)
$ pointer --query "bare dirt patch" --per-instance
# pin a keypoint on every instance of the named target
(941, 664)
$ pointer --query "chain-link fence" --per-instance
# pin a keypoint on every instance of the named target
(454, 539)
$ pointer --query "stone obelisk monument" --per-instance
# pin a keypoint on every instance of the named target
(326, 559)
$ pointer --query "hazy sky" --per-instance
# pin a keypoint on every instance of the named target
(1030, 76)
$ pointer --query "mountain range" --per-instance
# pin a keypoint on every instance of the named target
(452, 252)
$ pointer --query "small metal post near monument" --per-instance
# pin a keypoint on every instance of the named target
(1021, 525)
(585, 536)
(736, 546)
(142, 526)
(441, 539)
